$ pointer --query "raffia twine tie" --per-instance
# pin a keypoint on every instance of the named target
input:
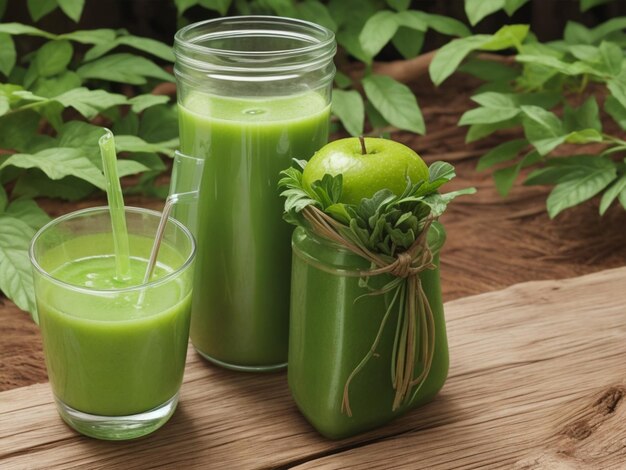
(415, 314)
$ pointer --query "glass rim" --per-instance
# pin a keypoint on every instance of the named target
(184, 39)
(168, 277)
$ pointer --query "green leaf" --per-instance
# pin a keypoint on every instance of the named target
(16, 280)
(126, 167)
(56, 85)
(124, 68)
(151, 46)
(18, 129)
(616, 110)
(4, 199)
(488, 70)
(342, 80)
(444, 24)
(612, 57)
(72, 8)
(7, 54)
(439, 173)
(501, 153)
(617, 87)
(183, 5)
(587, 116)
(375, 118)
(53, 57)
(90, 36)
(18, 29)
(487, 115)
(511, 6)
(83, 136)
(131, 143)
(35, 183)
(40, 8)
(576, 33)
(588, 4)
(408, 42)
(504, 179)
(439, 202)
(497, 107)
(29, 212)
(584, 52)
(576, 191)
(399, 5)
(220, 6)
(495, 100)
(90, 102)
(150, 161)
(377, 32)
(507, 37)
(448, 57)
(348, 107)
(476, 10)
(58, 163)
(584, 136)
(542, 128)
(4, 104)
(479, 131)
(412, 19)
(618, 187)
(601, 31)
(551, 175)
(128, 124)
(159, 123)
(316, 12)
(395, 101)
(141, 102)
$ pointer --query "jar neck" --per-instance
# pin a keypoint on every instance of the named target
(255, 49)
(321, 251)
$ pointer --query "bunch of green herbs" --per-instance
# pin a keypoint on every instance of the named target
(386, 223)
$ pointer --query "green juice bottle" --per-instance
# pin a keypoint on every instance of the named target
(334, 321)
(254, 93)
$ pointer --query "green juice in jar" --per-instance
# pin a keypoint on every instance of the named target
(333, 324)
(240, 308)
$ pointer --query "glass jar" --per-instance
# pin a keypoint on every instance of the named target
(333, 325)
(253, 93)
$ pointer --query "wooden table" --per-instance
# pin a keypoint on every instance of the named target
(537, 380)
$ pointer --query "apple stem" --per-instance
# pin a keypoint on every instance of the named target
(363, 149)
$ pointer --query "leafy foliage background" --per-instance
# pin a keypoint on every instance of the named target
(58, 89)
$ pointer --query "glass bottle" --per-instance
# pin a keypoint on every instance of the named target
(254, 93)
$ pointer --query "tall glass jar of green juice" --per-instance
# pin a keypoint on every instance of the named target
(336, 323)
(253, 93)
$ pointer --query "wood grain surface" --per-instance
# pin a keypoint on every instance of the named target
(536, 381)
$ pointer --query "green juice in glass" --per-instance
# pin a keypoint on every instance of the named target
(112, 354)
(333, 325)
(240, 310)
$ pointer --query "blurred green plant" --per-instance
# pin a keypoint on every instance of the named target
(52, 106)
(570, 76)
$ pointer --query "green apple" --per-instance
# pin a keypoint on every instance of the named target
(368, 168)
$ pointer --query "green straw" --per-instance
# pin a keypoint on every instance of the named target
(116, 206)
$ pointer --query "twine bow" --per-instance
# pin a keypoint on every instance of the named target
(415, 315)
